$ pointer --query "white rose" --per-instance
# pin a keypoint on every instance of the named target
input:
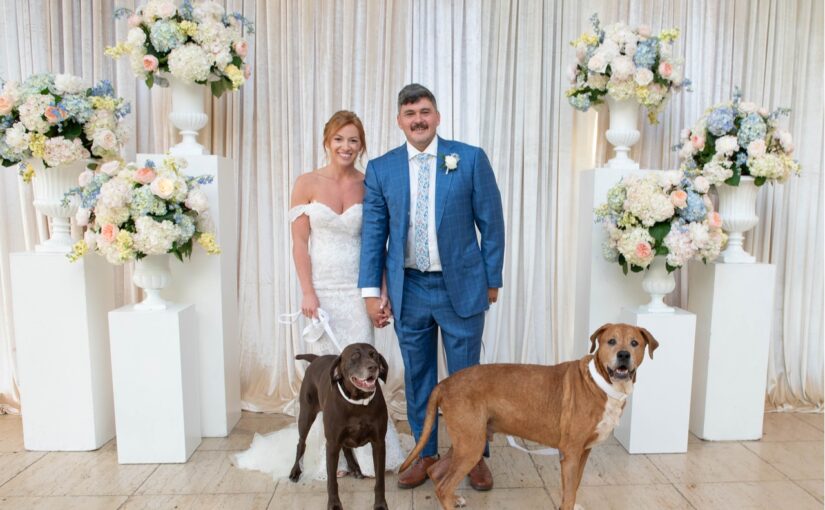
(82, 217)
(727, 145)
(571, 72)
(665, 50)
(197, 201)
(609, 50)
(581, 52)
(85, 178)
(763, 112)
(166, 10)
(622, 67)
(686, 151)
(747, 107)
(756, 148)
(110, 167)
(17, 138)
(68, 84)
(685, 134)
(163, 187)
(136, 37)
(451, 161)
(91, 239)
(643, 30)
(105, 139)
(597, 63)
(701, 184)
(786, 140)
(643, 76)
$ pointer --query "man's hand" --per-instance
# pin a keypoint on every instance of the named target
(492, 295)
(379, 313)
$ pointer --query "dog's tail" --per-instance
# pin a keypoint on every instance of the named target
(306, 357)
(429, 421)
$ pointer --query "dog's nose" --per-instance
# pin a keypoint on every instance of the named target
(623, 356)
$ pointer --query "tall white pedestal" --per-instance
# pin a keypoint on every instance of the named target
(733, 304)
(601, 287)
(155, 378)
(210, 282)
(656, 416)
(65, 373)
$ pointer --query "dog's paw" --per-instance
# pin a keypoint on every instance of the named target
(380, 505)
(335, 505)
(295, 474)
(356, 473)
(460, 502)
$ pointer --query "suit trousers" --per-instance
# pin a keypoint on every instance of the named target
(426, 309)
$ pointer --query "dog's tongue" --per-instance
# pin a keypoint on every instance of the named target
(364, 383)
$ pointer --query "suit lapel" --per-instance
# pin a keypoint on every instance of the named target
(401, 177)
(443, 180)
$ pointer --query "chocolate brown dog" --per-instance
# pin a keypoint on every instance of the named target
(346, 389)
(571, 406)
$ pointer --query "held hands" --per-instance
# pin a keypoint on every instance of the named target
(492, 295)
(379, 310)
(309, 305)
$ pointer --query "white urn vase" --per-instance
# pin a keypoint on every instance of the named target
(737, 207)
(658, 283)
(622, 132)
(49, 185)
(187, 115)
(152, 274)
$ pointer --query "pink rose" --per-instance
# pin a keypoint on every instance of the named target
(698, 142)
(150, 63)
(134, 21)
(756, 148)
(247, 72)
(678, 198)
(714, 219)
(643, 250)
(54, 114)
(167, 10)
(644, 30)
(108, 232)
(145, 175)
(665, 69)
(6, 105)
(241, 47)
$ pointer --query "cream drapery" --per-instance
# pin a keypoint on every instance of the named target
(498, 71)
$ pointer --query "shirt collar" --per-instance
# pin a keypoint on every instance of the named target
(431, 149)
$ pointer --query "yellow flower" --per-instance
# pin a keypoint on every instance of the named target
(669, 35)
(26, 172)
(78, 250)
(587, 38)
(652, 117)
(642, 93)
(37, 144)
(118, 50)
(207, 241)
(236, 75)
(103, 103)
(189, 28)
(123, 244)
(627, 220)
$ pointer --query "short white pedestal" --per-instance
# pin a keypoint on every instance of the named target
(65, 372)
(601, 287)
(656, 416)
(733, 304)
(155, 378)
(210, 282)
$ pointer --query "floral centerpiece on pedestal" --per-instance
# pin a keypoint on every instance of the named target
(59, 119)
(193, 42)
(132, 211)
(662, 213)
(625, 63)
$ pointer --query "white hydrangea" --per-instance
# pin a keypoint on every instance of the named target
(105, 214)
(31, 112)
(727, 145)
(100, 119)
(621, 90)
(190, 63)
(680, 247)
(17, 138)
(207, 10)
(643, 76)
(597, 81)
(197, 200)
(68, 84)
(669, 178)
(60, 151)
(768, 165)
(622, 67)
(115, 193)
(153, 237)
(136, 37)
(717, 171)
(647, 201)
(701, 184)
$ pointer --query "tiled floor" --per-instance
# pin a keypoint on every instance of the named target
(782, 471)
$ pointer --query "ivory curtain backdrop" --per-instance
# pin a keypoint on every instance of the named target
(498, 71)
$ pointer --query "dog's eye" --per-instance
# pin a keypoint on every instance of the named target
(612, 341)
(634, 343)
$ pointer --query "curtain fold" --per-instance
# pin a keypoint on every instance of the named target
(497, 69)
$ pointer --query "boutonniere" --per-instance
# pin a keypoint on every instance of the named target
(450, 162)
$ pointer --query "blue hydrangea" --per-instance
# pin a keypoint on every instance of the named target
(646, 53)
(103, 88)
(145, 202)
(695, 209)
(77, 107)
(741, 158)
(751, 128)
(580, 102)
(6, 122)
(720, 121)
(166, 36)
(186, 225)
(123, 110)
(37, 83)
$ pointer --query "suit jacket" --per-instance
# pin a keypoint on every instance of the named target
(465, 199)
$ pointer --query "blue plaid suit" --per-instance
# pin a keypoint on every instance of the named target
(454, 299)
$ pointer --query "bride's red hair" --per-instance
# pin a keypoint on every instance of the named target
(340, 119)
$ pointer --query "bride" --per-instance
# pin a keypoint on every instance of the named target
(326, 235)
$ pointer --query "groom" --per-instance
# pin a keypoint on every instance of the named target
(427, 197)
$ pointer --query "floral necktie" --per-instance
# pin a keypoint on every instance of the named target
(422, 202)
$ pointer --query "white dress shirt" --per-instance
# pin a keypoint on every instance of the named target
(432, 239)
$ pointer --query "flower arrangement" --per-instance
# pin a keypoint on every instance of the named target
(197, 43)
(625, 63)
(662, 213)
(736, 138)
(131, 211)
(59, 119)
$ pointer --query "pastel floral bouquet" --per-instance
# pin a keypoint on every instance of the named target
(197, 43)
(625, 63)
(662, 213)
(131, 211)
(736, 138)
(59, 119)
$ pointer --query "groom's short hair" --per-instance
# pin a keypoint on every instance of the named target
(412, 93)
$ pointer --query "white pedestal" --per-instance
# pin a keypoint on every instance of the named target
(63, 360)
(155, 378)
(210, 282)
(601, 287)
(656, 416)
(733, 304)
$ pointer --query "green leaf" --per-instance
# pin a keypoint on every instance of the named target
(636, 269)
(217, 88)
(735, 178)
(150, 80)
(670, 268)
(759, 181)
(659, 231)
(662, 250)
(623, 263)
(237, 62)
(72, 130)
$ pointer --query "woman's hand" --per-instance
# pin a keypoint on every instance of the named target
(309, 305)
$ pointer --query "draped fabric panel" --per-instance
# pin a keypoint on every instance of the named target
(498, 71)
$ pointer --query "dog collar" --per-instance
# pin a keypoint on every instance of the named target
(603, 384)
(361, 402)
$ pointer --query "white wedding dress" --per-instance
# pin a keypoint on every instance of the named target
(334, 250)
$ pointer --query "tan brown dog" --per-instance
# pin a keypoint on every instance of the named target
(562, 406)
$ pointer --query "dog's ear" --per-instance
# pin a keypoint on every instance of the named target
(652, 344)
(595, 336)
(335, 374)
(383, 368)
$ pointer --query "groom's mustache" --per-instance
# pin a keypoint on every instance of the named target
(419, 125)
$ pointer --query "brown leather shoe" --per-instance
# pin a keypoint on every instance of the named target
(416, 474)
(481, 479)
